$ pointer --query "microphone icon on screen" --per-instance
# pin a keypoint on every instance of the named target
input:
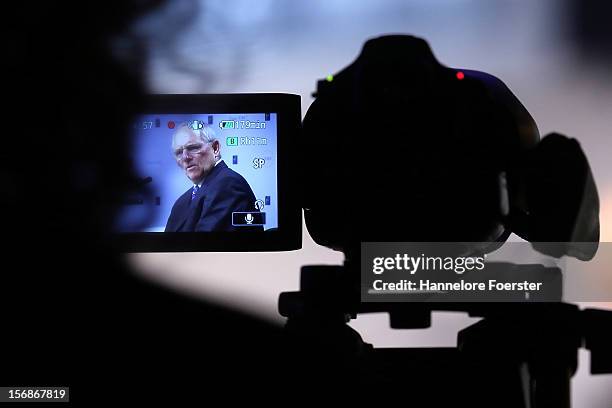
(249, 218)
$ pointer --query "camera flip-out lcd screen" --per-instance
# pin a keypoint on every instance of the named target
(213, 173)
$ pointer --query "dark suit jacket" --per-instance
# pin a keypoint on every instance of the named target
(223, 192)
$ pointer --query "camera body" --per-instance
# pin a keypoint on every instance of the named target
(420, 152)
(425, 147)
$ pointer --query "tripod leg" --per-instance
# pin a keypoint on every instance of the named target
(551, 383)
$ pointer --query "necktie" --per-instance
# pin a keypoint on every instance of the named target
(194, 191)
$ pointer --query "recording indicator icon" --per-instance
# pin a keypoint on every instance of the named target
(171, 124)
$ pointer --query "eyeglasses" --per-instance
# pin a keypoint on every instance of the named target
(190, 149)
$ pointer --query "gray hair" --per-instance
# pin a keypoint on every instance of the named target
(204, 132)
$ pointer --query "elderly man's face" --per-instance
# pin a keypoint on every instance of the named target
(193, 155)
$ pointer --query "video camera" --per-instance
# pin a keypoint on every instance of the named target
(395, 148)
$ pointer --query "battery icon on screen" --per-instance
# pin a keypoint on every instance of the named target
(226, 124)
(232, 141)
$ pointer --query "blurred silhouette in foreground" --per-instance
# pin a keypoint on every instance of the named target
(75, 314)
